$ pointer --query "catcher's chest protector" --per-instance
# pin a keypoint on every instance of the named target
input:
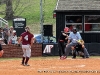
(78, 47)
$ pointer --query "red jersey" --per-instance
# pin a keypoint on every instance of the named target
(26, 38)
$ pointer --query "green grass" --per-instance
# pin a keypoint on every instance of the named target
(32, 13)
(42, 57)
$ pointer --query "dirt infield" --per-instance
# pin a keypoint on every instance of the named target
(51, 66)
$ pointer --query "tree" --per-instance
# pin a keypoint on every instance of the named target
(9, 10)
(2, 1)
(12, 11)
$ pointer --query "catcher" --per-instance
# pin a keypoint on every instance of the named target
(1, 51)
(78, 49)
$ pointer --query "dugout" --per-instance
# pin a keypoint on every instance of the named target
(82, 14)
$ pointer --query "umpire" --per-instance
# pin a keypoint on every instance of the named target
(72, 41)
(61, 42)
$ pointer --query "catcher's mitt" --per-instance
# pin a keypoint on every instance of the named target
(81, 42)
(1, 53)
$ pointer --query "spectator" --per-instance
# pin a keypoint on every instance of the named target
(1, 33)
(34, 39)
(13, 36)
(6, 33)
(2, 41)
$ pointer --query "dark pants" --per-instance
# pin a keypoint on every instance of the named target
(61, 46)
(78, 49)
(5, 41)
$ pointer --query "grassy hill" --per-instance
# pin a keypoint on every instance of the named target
(30, 9)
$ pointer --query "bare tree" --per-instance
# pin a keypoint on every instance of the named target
(2, 1)
(9, 10)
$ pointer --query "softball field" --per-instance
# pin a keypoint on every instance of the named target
(51, 66)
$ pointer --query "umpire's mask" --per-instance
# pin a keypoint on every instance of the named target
(74, 30)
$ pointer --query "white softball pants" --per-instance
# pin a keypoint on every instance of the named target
(26, 50)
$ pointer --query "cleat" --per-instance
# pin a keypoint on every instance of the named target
(23, 64)
(87, 57)
(27, 65)
(83, 57)
(63, 57)
(73, 57)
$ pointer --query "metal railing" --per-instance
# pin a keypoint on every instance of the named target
(3, 21)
